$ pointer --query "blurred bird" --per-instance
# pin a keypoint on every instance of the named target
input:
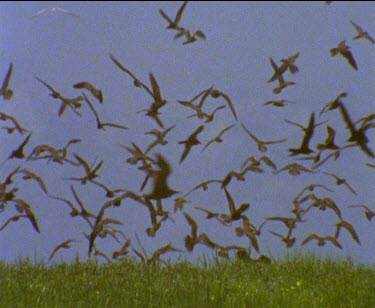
(5, 91)
(288, 240)
(94, 91)
(217, 138)
(340, 181)
(174, 24)
(361, 33)
(333, 104)
(261, 144)
(322, 240)
(279, 103)
(346, 225)
(190, 142)
(65, 244)
(304, 148)
(343, 50)
(54, 10)
(17, 126)
(234, 214)
(329, 143)
(189, 38)
(369, 213)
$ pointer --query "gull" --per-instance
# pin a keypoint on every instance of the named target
(304, 148)
(215, 93)
(288, 240)
(280, 79)
(209, 117)
(261, 144)
(17, 126)
(321, 240)
(190, 142)
(65, 244)
(333, 104)
(235, 214)
(340, 181)
(123, 251)
(279, 103)
(203, 185)
(256, 162)
(369, 213)
(173, 24)
(53, 10)
(5, 91)
(329, 143)
(156, 255)
(14, 218)
(240, 176)
(361, 33)
(286, 64)
(18, 153)
(99, 124)
(357, 136)
(161, 190)
(94, 91)
(159, 137)
(346, 225)
(289, 222)
(217, 138)
(153, 215)
(73, 103)
(23, 207)
(210, 214)
(179, 204)
(343, 50)
(31, 175)
(190, 38)
(250, 231)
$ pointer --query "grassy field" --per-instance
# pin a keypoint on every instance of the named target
(297, 282)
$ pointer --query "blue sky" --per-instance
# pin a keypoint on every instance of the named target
(240, 38)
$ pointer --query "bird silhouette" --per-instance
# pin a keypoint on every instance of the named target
(340, 181)
(329, 143)
(346, 225)
(188, 37)
(218, 137)
(322, 240)
(234, 213)
(5, 91)
(65, 244)
(261, 144)
(344, 50)
(304, 147)
(174, 24)
(94, 91)
(369, 213)
(361, 33)
(17, 126)
(191, 141)
(54, 10)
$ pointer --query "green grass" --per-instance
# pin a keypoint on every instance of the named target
(298, 282)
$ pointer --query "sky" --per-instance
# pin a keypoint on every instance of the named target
(241, 37)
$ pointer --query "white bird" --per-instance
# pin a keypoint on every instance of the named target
(54, 9)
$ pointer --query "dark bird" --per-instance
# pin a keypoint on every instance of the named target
(369, 213)
(340, 181)
(235, 214)
(174, 24)
(304, 148)
(361, 33)
(190, 142)
(209, 117)
(343, 50)
(5, 91)
(288, 240)
(322, 240)
(156, 255)
(331, 105)
(250, 231)
(151, 231)
(189, 38)
(160, 137)
(346, 225)
(91, 173)
(14, 218)
(94, 91)
(278, 74)
(357, 136)
(18, 153)
(217, 138)
(73, 103)
(289, 222)
(99, 124)
(329, 143)
(286, 64)
(65, 244)
(294, 169)
(23, 207)
(161, 190)
(209, 214)
(29, 175)
(203, 185)
(123, 251)
(215, 93)
(261, 144)
(256, 162)
(17, 126)
(279, 103)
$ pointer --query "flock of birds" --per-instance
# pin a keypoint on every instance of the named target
(157, 169)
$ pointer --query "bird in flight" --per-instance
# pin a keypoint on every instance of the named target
(65, 244)
(190, 38)
(173, 24)
(361, 33)
(5, 91)
(217, 138)
(190, 142)
(94, 91)
(343, 50)
(54, 10)
(340, 181)
(304, 148)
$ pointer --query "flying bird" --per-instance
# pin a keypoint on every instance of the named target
(343, 50)
(217, 138)
(322, 240)
(361, 33)
(190, 142)
(304, 147)
(54, 10)
(329, 143)
(17, 126)
(279, 103)
(190, 38)
(370, 214)
(340, 181)
(261, 144)
(65, 244)
(94, 91)
(294, 169)
(5, 91)
(331, 105)
(174, 24)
